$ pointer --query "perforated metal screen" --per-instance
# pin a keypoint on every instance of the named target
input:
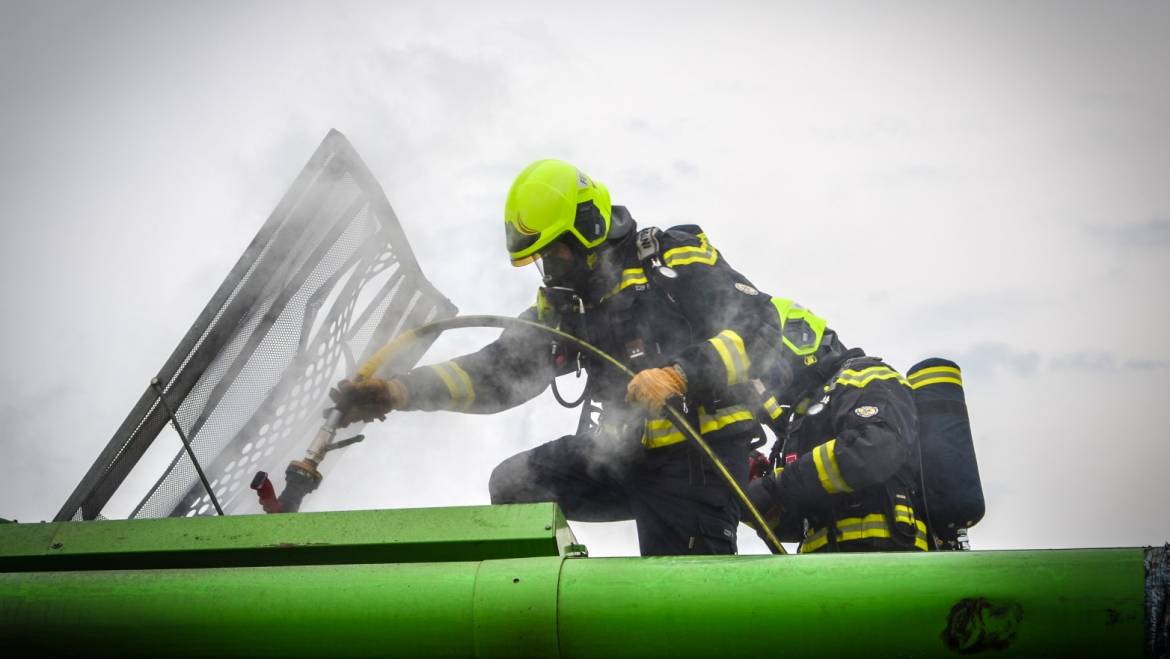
(327, 280)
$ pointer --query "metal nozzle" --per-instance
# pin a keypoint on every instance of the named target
(320, 445)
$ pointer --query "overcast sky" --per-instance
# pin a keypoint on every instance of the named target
(986, 181)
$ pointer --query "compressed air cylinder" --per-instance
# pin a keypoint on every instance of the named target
(954, 493)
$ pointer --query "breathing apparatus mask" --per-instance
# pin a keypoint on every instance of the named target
(804, 353)
(566, 263)
(794, 377)
(563, 265)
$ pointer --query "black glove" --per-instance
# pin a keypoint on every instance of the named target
(762, 492)
(368, 399)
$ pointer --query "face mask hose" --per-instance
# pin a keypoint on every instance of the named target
(323, 442)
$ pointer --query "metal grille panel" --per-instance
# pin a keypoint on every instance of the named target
(327, 280)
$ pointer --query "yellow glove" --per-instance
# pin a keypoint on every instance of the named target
(652, 387)
(369, 399)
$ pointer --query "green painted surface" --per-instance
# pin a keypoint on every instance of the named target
(366, 536)
(1016, 604)
(418, 610)
(516, 608)
(1023, 603)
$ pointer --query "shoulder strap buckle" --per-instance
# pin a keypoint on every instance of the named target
(648, 254)
(647, 242)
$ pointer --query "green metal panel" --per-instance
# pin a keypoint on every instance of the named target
(1008, 604)
(365, 536)
(404, 610)
(1002, 604)
(516, 608)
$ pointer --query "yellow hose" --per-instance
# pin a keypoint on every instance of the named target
(371, 365)
(379, 358)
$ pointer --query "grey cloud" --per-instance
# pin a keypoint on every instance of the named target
(1093, 361)
(39, 477)
(645, 180)
(963, 310)
(461, 83)
(915, 174)
(638, 125)
(988, 359)
(1099, 361)
(1147, 365)
(423, 100)
(991, 358)
(1152, 233)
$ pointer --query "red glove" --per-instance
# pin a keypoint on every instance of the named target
(758, 466)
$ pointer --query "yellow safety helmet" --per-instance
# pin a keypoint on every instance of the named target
(548, 199)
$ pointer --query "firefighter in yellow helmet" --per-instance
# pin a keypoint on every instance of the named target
(666, 303)
(844, 472)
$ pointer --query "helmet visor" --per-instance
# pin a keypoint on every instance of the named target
(517, 241)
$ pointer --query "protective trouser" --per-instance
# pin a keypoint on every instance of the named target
(680, 504)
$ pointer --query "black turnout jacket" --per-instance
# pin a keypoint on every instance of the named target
(681, 303)
(847, 469)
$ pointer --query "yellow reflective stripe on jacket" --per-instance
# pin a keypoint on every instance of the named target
(772, 408)
(825, 458)
(702, 253)
(661, 432)
(904, 514)
(860, 528)
(630, 277)
(731, 350)
(866, 375)
(814, 541)
(936, 375)
(458, 383)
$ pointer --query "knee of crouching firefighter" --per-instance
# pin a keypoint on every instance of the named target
(506, 480)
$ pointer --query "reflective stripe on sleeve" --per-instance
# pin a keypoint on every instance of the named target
(936, 375)
(465, 380)
(773, 408)
(458, 383)
(825, 458)
(904, 514)
(863, 377)
(731, 350)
